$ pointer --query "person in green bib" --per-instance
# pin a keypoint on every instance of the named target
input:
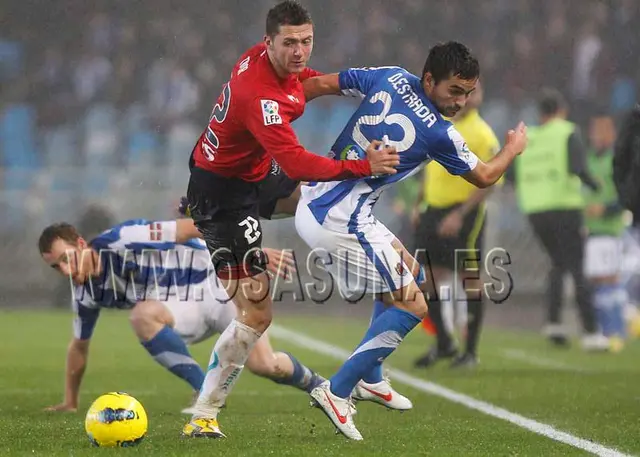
(549, 180)
(604, 218)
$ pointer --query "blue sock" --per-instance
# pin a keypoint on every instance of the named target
(302, 378)
(168, 349)
(609, 301)
(375, 375)
(382, 338)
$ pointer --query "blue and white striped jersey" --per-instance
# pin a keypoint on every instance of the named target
(140, 260)
(395, 109)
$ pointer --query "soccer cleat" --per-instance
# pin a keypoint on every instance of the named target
(466, 360)
(203, 427)
(595, 342)
(434, 355)
(339, 410)
(556, 334)
(381, 393)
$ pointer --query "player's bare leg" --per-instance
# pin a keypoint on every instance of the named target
(153, 324)
(281, 367)
(231, 351)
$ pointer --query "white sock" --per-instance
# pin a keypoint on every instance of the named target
(461, 315)
(227, 361)
(446, 305)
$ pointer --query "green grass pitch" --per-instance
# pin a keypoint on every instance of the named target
(595, 397)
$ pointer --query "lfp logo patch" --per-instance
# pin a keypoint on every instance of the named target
(352, 152)
(270, 112)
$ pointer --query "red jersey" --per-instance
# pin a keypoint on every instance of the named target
(250, 124)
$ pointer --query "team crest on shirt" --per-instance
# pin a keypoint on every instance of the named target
(270, 112)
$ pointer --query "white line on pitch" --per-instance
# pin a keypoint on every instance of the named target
(542, 362)
(540, 428)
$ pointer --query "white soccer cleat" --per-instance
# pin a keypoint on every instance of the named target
(339, 410)
(595, 342)
(382, 393)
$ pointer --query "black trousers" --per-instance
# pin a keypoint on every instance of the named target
(560, 232)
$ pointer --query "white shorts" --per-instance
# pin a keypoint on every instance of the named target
(602, 256)
(360, 263)
(196, 321)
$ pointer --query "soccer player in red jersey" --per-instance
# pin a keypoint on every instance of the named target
(234, 182)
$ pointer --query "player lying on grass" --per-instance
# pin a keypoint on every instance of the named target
(159, 272)
(337, 216)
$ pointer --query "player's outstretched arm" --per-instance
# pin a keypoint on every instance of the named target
(277, 137)
(486, 174)
(77, 354)
(321, 85)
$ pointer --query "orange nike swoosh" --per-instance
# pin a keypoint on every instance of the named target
(385, 397)
(341, 418)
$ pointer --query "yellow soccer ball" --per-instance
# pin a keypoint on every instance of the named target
(116, 419)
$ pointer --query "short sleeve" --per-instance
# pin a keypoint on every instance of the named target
(451, 151)
(84, 320)
(357, 82)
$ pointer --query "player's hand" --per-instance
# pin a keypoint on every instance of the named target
(280, 263)
(383, 159)
(516, 139)
(63, 407)
(451, 225)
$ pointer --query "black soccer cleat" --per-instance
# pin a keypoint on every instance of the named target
(466, 360)
(434, 355)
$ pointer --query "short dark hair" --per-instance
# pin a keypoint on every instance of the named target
(451, 59)
(550, 101)
(288, 12)
(62, 230)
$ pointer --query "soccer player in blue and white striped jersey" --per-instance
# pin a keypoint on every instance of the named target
(162, 273)
(337, 217)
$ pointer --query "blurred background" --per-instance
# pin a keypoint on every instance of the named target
(101, 103)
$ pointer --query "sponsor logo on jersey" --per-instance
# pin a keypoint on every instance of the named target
(293, 98)
(270, 112)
